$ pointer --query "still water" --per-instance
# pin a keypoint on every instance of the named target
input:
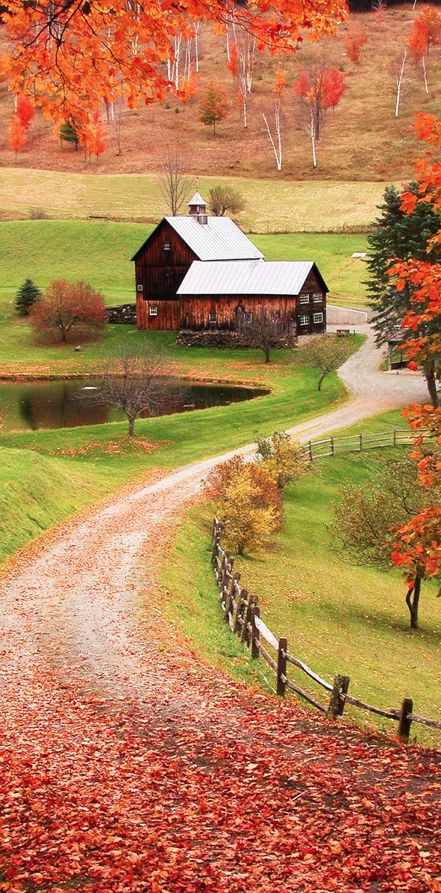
(68, 404)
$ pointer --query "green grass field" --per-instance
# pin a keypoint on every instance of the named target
(84, 463)
(271, 206)
(100, 253)
(337, 617)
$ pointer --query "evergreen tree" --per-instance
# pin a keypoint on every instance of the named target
(397, 236)
(68, 134)
(27, 295)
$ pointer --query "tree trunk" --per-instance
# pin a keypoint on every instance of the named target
(314, 154)
(412, 601)
(131, 427)
(319, 386)
(429, 373)
(266, 351)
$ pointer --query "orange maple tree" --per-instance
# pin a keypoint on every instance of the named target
(17, 134)
(320, 87)
(64, 56)
(417, 548)
(354, 42)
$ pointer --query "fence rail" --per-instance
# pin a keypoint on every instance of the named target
(242, 613)
(357, 443)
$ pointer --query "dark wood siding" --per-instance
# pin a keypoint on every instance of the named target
(159, 271)
(196, 311)
(312, 286)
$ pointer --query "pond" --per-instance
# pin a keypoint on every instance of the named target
(68, 404)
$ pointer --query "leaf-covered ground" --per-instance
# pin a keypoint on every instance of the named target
(128, 766)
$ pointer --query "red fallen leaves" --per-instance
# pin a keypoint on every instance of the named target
(121, 445)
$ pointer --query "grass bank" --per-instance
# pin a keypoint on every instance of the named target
(337, 617)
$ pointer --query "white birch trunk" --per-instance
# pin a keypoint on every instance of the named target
(276, 140)
(426, 85)
(196, 45)
(313, 142)
(400, 80)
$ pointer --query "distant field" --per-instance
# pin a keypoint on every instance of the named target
(271, 206)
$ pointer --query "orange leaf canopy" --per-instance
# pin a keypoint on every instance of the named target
(71, 56)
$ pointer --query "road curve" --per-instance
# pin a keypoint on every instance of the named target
(138, 756)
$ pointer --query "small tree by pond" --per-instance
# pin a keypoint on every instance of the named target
(65, 306)
(135, 382)
(265, 332)
(326, 353)
(367, 517)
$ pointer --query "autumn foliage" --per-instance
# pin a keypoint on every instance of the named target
(354, 42)
(66, 306)
(67, 58)
(320, 88)
(17, 134)
(417, 546)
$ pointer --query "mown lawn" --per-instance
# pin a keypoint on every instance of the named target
(337, 617)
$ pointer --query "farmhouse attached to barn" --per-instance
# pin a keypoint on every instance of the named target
(200, 272)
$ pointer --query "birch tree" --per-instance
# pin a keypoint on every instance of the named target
(401, 68)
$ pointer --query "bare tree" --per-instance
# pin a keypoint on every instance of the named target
(327, 353)
(273, 128)
(401, 68)
(225, 198)
(134, 382)
(174, 183)
(265, 331)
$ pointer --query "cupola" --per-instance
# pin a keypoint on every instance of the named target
(197, 208)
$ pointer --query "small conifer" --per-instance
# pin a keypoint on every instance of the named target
(27, 295)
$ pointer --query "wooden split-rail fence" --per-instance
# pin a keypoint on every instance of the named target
(356, 443)
(242, 613)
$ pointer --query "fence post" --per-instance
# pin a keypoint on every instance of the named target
(255, 634)
(217, 530)
(242, 596)
(332, 447)
(310, 450)
(361, 442)
(281, 667)
(244, 634)
(229, 595)
(336, 703)
(404, 723)
(395, 437)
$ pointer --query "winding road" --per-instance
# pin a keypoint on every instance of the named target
(129, 765)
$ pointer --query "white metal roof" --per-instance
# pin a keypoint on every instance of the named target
(218, 239)
(246, 278)
(197, 200)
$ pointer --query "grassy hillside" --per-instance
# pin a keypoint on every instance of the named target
(36, 493)
(282, 206)
(337, 617)
(361, 140)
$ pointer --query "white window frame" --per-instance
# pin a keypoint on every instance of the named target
(140, 287)
(212, 318)
(153, 310)
(317, 317)
(304, 320)
(167, 245)
(304, 299)
(317, 297)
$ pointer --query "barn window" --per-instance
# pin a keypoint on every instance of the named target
(167, 246)
(304, 299)
(317, 317)
(304, 320)
(140, 286)
(212, 318)
(153, 310)
(317, 297)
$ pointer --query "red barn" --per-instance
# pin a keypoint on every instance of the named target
(200, 272)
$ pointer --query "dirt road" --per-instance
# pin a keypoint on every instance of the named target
(128, 765)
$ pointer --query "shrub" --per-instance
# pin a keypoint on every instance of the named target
(283, 459)
(65, 306)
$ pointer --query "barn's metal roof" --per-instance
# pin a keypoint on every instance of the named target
(246, 278)
(218, 239)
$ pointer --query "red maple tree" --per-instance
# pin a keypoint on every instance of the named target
(320, 87)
